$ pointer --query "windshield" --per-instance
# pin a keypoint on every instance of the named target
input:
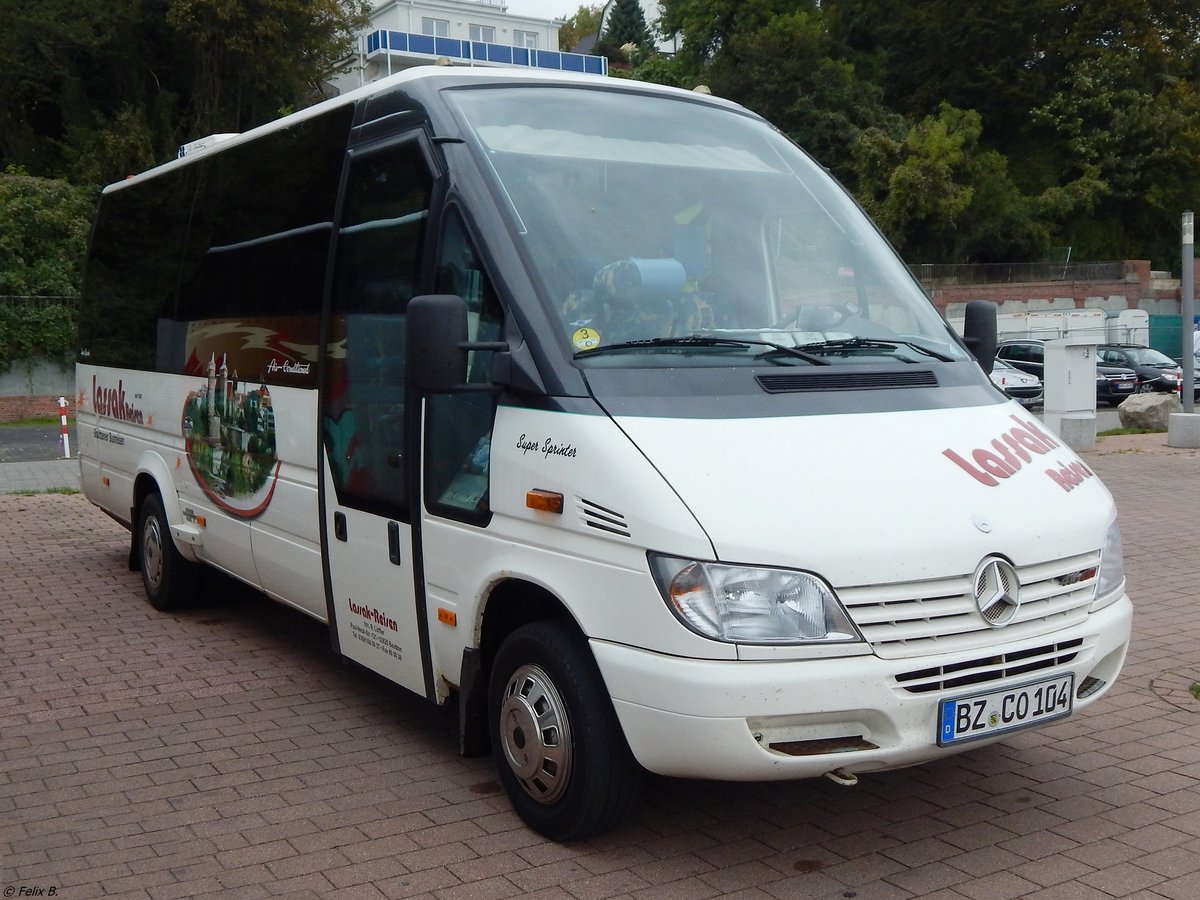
(1144, 356)
(651, 219)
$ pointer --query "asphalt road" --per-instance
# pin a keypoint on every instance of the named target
(32, 443)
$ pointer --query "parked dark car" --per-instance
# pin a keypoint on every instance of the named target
(1113, 383)
(1156, 371)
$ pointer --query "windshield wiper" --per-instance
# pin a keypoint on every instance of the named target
(871, 343)
(697, 340)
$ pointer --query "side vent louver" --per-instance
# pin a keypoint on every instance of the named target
(593, 515)
(845, 381)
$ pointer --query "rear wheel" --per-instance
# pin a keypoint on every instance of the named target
(558, 746)
(171, 582)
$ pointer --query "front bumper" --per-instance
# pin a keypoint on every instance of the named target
(1115, 391)
(718, 720)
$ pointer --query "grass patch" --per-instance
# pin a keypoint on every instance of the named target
(1114, 432)
(53, 490)
(36, 422)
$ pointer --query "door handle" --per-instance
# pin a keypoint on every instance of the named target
(394, 543)
(339, 526)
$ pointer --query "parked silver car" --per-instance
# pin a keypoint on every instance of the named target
(1026, 389)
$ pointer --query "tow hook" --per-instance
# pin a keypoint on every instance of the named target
(842, 777)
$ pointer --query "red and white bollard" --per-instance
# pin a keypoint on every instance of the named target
(65, 436)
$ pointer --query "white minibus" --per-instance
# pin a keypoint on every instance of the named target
(601, 410)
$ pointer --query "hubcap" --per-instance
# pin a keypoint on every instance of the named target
(152, 553)
(535, 734)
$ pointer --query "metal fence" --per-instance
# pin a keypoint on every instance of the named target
(9, 301)
(1012, 273)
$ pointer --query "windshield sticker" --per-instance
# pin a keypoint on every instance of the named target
(585, 338)
(229, 429)
(1008, 454)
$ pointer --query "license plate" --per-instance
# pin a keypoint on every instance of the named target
(986, 714)
(1122, 386)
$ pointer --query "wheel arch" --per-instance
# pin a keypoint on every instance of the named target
(510, 604)
(152, 476)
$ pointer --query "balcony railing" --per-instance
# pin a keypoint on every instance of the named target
(481, 53)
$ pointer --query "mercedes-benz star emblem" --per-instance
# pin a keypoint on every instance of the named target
(997, 591)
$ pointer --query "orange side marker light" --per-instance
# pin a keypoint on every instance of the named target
(546, 501)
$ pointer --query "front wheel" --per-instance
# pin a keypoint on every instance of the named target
(558, 746)
(171, 582)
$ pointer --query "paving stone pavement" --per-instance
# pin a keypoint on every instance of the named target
(225, 752)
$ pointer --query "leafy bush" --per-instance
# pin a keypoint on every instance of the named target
(37, 332)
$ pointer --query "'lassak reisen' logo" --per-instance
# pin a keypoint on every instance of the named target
(111, 402)
(1011, 451)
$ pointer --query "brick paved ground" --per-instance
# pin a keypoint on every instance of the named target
(226, 752)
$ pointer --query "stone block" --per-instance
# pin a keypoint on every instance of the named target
(1149, 411)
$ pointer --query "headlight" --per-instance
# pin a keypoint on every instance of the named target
(1112, 569)
(751, 604)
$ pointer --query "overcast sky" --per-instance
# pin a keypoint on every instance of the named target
(544, 9)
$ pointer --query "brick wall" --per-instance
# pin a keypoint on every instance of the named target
(13, 409)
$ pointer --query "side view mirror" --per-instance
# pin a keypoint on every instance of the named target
(979, 332)
(436, 344)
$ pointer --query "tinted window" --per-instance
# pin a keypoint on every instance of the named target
(378, 270)
(459, 426)
(253, 273)
(133, 269)
(224, 257)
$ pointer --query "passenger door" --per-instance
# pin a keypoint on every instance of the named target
(368, 444)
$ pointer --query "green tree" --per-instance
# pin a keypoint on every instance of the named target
(43, 237)
(1127, 140)
(626, 25)
(708, 25)
(251, 59)
(940, 195)
(992, 56)
(659, 69)
(583, 22)
(786, 70)
(95, 90)
(44, 226)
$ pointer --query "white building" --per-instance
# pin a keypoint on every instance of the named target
(406, 33)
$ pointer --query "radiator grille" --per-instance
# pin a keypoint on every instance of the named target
(923, 618)
(990, 668)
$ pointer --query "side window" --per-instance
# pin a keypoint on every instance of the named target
(378, 268)
(459, 426)
(253, 271)
(132, 273)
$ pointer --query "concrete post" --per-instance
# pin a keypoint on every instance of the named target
(1183, 429)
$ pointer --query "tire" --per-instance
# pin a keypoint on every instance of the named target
(171, 582)
(558, 746)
